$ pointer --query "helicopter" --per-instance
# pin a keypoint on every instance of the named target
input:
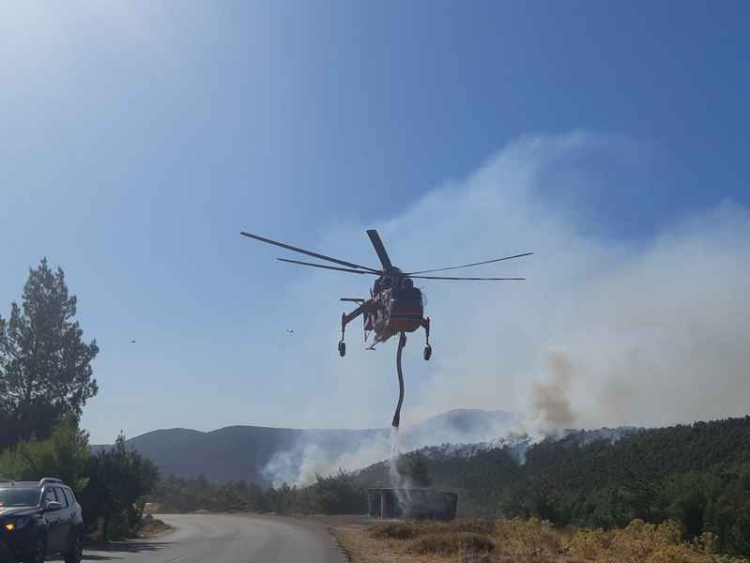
(395, 305)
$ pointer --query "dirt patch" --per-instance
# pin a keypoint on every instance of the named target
(152, 527)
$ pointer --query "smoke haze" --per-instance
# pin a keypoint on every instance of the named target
(644, 331)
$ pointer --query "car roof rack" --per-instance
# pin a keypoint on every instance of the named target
(46, 480)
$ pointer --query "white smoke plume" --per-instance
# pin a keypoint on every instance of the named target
(311, 456)
(654, 332)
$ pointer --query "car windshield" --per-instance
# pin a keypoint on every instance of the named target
(18, 497)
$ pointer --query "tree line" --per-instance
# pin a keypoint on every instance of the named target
(341, 493)
(46, 378)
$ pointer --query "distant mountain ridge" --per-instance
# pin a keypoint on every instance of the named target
(266, 455)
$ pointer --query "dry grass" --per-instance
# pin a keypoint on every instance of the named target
(522, 541)
(647, 543)
(406, 530)
(452, 543)
(529, 538)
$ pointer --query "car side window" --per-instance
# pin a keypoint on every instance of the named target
(63, 499)
(69, 496)
(49, 495)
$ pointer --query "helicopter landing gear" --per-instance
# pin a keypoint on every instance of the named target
(342, 344)
(345, 320)
(427, 349)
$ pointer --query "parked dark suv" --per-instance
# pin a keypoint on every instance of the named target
(39, 519)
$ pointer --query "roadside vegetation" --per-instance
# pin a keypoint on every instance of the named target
(524, 541)
(46, 378)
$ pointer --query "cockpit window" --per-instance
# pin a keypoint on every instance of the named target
(410, 294)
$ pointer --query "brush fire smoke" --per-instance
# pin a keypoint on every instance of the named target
(646, 330)
(550, 399)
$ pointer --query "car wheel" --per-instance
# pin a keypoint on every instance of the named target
(37, 552)
(76, 551)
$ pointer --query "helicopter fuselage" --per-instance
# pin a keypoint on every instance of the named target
(394, 309)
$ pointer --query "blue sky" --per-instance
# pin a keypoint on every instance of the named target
(140, 138)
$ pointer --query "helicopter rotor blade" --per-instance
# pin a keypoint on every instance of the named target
(349, 270)
(309, 253)
(473, 264)
(463, 279)
(379, 248)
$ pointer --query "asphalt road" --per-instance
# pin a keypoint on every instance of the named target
(219, 538)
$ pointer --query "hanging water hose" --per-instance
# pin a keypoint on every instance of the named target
(397, 414)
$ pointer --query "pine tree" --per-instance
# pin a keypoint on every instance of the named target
(45, 366)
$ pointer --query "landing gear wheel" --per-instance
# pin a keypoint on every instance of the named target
(342, 348)
(427, 353)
